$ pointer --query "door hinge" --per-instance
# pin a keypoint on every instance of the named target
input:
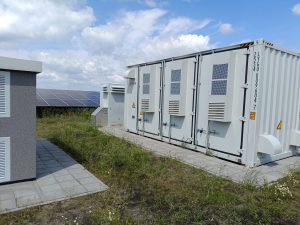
(248, 52)
(245, 86)
(241, 151)
(243, 119)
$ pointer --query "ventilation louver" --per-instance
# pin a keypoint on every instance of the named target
(145, 105)
(117, 89)
(2, 95)
(3, 149)
(174, 107)
(104, 89)
(216, 111)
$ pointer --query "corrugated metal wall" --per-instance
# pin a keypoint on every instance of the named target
(279, 95)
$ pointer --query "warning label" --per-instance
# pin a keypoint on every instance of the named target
(252, 115)
(279, 126)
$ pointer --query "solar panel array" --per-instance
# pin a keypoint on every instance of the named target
(67, 98)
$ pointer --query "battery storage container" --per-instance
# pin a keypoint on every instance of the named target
(241, 103)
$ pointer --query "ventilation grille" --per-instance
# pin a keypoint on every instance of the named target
(220, 71)
(104, 110)
(145, 105)
(104, 89)
(117, 89)
(3, 148)
(219, 79)
(2, 95)
(174, 107)
(219, 87)
(216, 111)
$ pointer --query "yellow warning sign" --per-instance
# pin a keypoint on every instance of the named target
(252, 115)
(133, 105)
(142, 113)
(279, 126)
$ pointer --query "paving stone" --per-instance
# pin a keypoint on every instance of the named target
(6, 195)
(88, 180)
(75, 166)
(64, 178)
(94, 187)
(7, 205)
(25, 192)
(82, 174)
(28, 200)
(50, 188)
(69, 184)
(46, 180)
(54, 195)
(75, 190)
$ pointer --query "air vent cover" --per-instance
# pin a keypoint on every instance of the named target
(216, 111)
(145, 105)
(4, 159)
(174, 107)
(117, 89)
(4, 94)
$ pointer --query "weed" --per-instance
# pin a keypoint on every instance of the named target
(147, 189)
(209, 152)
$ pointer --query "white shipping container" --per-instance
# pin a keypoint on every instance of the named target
(241, 103)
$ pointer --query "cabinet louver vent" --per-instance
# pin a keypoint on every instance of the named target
(2, 95)
(145, 105)
(117, 89)
(3, 149)
(104, 110)
(174, 107)
(216, 111)
(104, 89)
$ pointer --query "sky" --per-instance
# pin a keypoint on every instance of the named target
(85, 43)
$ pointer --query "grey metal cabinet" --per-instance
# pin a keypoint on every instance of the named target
(18, 119)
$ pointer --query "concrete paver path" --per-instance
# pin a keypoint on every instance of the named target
(59, 177)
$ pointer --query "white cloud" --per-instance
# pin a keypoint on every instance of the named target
(296, 9)
(119, 32)
(147, 37)
(151, 3)
(183, 25)
(81, 53)
(226, 28)
(42, 20)
(173, 46)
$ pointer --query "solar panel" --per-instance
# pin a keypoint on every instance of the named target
(67, 98)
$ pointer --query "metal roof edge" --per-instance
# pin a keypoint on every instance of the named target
(276, 47)
(204, 52)
(221, 49)
(113, 85)
(7, 63)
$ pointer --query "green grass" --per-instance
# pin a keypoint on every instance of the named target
(147, 189)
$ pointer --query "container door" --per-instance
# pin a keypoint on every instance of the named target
(178, 96)
(130, 107)
(220, 101)
(149, 99)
